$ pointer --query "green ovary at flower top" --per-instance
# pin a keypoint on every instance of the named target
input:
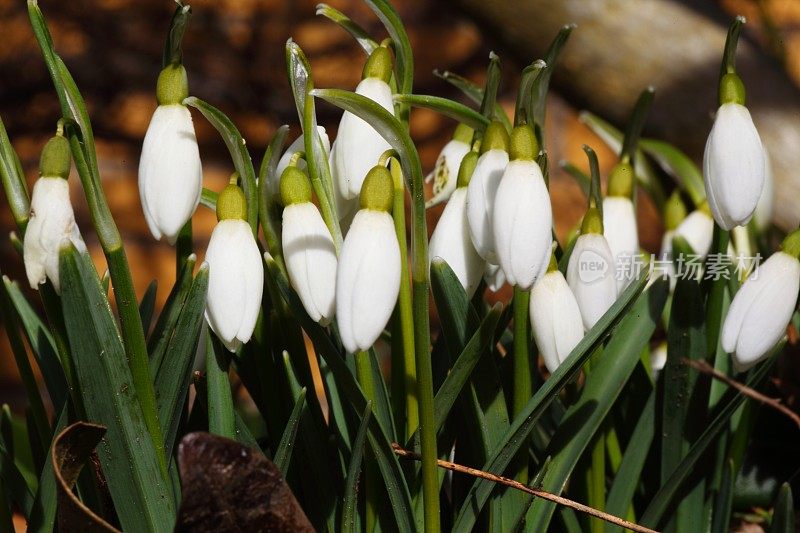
(52, 220)
(236, 272)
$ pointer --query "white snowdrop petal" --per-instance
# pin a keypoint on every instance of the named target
(590, 275)
(253, 279)
(451, 242)
(358, 146)
(494, 277)
(445, 172)
(522, 223)
(555, 319)
(170, 173)
(368, 279)
(761, 309)
(698, 230)
(621, 232)
(310, 259)
(481, 194)
(51, 225)
(733, 166)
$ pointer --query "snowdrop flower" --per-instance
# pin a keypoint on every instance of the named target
(52, 221)
(358, 146)
(307, 247)
(591, 270)
(734, 160)
(482, 190)
(298, 145)
(763, 306)
(522, 220)
(451, 241)
(445, 172)
(555, 317)
(236, 274)
(170, 174)
(698, 230)
(368, 278)
(619, 221)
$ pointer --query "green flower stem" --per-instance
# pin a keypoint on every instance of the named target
(12, 327)
(522, 391)
(405, 315)
(221, 420)
(364, 376)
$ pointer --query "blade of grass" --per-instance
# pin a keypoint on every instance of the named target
(446, 107)
(350, 502)
(357, 32)
(783, 518)
(474, 92)
(14, 182)
(283, 454)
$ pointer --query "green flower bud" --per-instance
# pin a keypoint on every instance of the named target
(379, 65)
(173, 85)
(495, 137)
(731, 89)
(620, 181)
(791, 244)
(377, 191)
(295, 186)
(467, 168)
(523, 143)
(231, 203)
(674, 211)
(463, 133)
(56, 157)
(592, 222)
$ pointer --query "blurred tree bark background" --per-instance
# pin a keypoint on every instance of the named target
(234, 54)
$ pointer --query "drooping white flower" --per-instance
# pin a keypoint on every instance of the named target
(482, 190)
(368, 277)
(451, 242)
(621, 232)
(761, 310)
(236, 274)
(308, 248)
(698, 230)
(733, 166)
(52, 221)
(358, 145)
(170, 173)
(555, 318)
(522, 217)
(298, 145)
(591, 276)
(445, 172)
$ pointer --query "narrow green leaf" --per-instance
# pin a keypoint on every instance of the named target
(524, 423)
(404, 56)
(20, 490)
(645, 174)
(357, 32)
(208, 199)
(525, 95)
(239, 154)
(729, 403)
(43, 511)
(580, 177)
(350, 502)
(475, 93)
(268, 214)
(14, 182)
(678, 165)
(620, 497)
(395, 482)
(446, 107)
(604, 383)
(542, 83)
(129, 459)
(489, 100)
(783, 519)
(635, 125)
(147, 305)
(165, 325)
(221, 419)
(41, 342)
(723, 503)
(283, 453)
(173, 376)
